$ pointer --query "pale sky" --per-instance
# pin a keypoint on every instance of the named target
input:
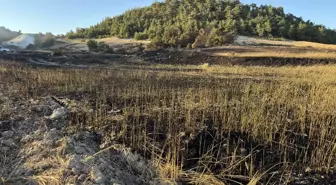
(63, 15)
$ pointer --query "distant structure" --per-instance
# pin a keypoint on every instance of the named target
(22, 41)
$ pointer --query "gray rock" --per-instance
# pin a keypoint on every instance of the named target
(8, 142)
(115, 181)
(74, 161)
(76, 171)
(139, 181)
(26, 139)
(102, 167)
(308, 170)
(83, 167)
(79, 165)
(39, 132)
(7, 134)
(303, 182)
(86, 169)
(98, 176)
(36, 109)
(51, 137)
(80, 150)
(5, 149)
(82, 177)
(29, 172)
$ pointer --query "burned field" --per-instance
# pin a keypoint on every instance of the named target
(198, 124)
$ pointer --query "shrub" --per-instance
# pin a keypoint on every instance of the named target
(92, 44)
(140, 36)
(205, 66)
(188, 46)
(48, 42)
(154, 46)
(103, 46)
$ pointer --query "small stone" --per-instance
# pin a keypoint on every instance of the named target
(36, 109)
(26, 139)
(153, 182)
(8, 142)
(80, 150)
(79, 165)
(51, 137)
(73, 162)
(76, 171)
(82, 177)
(139, 181)
(102, 161)
(7, 134)
(98, 176)
(118, 173)
(301, 175)
(308, 170)
(5, 149)
(115, 181)
(86, 169)
(38, 132)
(29, 172)
(243, 151)
(102, 167)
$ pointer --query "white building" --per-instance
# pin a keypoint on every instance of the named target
(21, 41)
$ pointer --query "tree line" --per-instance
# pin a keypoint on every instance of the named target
(7, 34)
(196, 23)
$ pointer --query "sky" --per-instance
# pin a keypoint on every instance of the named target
(60, 16)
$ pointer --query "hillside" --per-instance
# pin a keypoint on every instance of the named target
(207, 23)
(7, 34)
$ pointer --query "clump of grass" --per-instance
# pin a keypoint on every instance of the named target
(3, 69)
(205, 66)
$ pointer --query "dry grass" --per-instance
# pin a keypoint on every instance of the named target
(51, 168)
(282, 54)
(247, 112)
(289, 43)
(281, 49)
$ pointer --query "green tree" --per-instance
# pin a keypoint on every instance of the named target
(178, 23)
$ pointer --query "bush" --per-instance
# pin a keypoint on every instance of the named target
(92, 44)
(188, 46)
(140, 36)
(109, 50)
(154, 46)
(48, 42)
(229, 38)
(103, 46)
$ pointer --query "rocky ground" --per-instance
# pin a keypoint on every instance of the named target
(37, 149)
